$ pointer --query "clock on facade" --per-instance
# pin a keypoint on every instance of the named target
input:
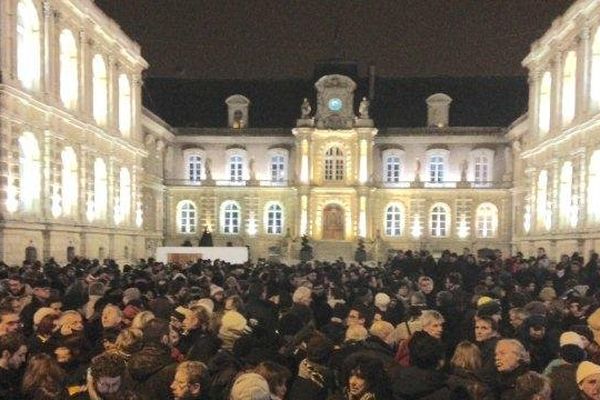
(334, 104)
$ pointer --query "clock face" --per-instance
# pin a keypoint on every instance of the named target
(334, 104)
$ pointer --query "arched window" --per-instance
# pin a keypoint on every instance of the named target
(124, 105)
(595, 77)
(440, 220)
(100, 90)
(569, 88)
(124, 195)
(100, 189)
(394, 220)
(544, 103)
(334, 164)
(392, 165)
(194, 167)
(487, 220)
(230, 217)
(542, 199)
(29, 172)
(565, 192)
(186, 217)
(593, 185)
(69, 182)
(69, 75)
(274, 219)
(28, 45)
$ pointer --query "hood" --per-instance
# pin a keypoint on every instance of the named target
(149, 361)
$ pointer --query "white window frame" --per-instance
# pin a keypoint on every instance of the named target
(30, 172)
(231, 218)
(69, 69)
(195, 176)
(125, 195)
(392, 167)
(439, 220)
(125, 104)
(433, 173)
(278, 169)
(486, 217)
(545, 103)
(187, 217)
(393, 219)
(569, 87)
(237, 174)
(29, 65)
(100, 90)
(69, 182)
(273, 213)
(334, 164)
(481, 167)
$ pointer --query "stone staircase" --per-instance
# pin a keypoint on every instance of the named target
(331, 250)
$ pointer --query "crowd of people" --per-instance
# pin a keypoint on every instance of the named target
(459, 327)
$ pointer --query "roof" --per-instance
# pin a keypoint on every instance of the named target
(398, 102)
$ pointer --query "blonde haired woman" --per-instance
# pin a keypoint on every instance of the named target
(464, 372)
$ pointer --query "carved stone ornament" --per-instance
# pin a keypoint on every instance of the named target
(335, 100)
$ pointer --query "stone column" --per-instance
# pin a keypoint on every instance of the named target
(584, 60)
(534, 100)
(83, 194)
(136, 107)
(49, 53)
(8, 49)
(48, 166)
(85, 76)
(556, 93)
(113, 93)
(112, 192)
(553, 193)
(582, 160)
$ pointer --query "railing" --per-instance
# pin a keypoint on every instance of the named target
(378, 184)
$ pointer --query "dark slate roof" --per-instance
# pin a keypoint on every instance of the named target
(398, 102)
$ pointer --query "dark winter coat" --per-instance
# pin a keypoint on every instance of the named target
(152, 371)
(470, 381)
(562, 379)
(415, 383)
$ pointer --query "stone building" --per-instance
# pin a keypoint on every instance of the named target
(431, 163)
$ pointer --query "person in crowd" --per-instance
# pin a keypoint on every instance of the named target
(314, 380)
(512, 361)
(44, 379)
(465, 371)
(276, 376)
(40, 296)
(9, 321)
(486, 338)
(190, 381)
(44, 326)
(533, 386)
(106, 380)
(250, 386)
(588, 380)
(13, 352)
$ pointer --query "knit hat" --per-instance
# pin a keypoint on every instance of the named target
(382, 301)
(233, 321)
(214, 289)
(547, 294)
(483, 300)
(250, 386)
(41, 313)
(131, 294)
(586, 369)
(571, 338)
(489, 309)
(584, 331)
(594, 324)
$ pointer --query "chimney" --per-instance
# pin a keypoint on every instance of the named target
(438, 110)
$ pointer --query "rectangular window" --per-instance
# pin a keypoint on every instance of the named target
(436, 169)
(277, 168)
(195, 168)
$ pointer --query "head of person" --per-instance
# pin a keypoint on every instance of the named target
(363, 375)
(157, 332)
(276, 376)
(319, 348)
(485, 328)
(41, 289)
(234, 303)
(250, 386)
(356, 333)
(70, 322)
(357, 315)
(129, 341)
(588, 380)
(141, 319)
(381, 330)
(112, 316)
(425, 351)
(13, 350)
(533, 386)
(15, 284)
(107, 373)
(517, 316)
(432, 323)
(191, 379)
(43, 372)
(9, 321)
(536, 327)
(426, 284)
(302, 296)
(453, 281)
(466, 356)
(509, 355)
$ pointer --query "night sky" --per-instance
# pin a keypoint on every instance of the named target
(275, 39)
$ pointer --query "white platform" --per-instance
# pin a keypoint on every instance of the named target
(234, 255)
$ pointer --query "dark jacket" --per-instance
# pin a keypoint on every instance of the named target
(562, 380)
(314, 382)
(152, 371)
(471, 382)
(415, 383)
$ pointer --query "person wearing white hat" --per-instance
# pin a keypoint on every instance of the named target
(250, 386)
(588, 380)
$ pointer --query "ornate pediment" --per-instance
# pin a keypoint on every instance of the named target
(335, 102)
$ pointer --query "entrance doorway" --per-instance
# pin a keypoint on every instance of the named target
(333, 222)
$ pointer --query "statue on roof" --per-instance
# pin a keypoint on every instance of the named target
(363, 108)
(207, 168)
(305, 109)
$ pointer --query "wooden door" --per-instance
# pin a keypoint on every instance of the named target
(333, 222)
